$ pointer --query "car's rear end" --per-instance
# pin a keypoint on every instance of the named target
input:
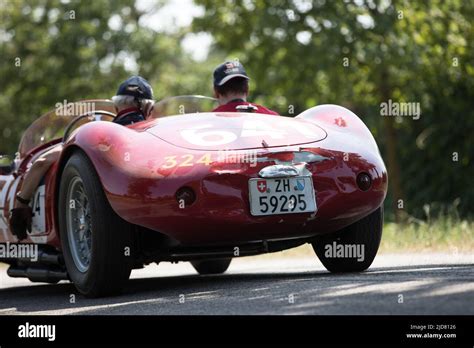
(229, 178)
(209, 187)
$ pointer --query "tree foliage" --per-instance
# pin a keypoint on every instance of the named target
(52, 50)
(360, 54)
(299, 53)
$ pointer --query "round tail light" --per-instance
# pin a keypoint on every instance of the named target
(186, 196)
(364, 181)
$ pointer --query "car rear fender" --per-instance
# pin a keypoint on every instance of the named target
(118, 154)
(338, 120)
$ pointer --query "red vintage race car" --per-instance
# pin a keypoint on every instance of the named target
(192, 185)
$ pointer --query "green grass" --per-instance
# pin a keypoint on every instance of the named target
(445, 233)
(442, 234)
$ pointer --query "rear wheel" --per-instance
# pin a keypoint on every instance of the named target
(96, 242)
(211, 266)
(353, 248)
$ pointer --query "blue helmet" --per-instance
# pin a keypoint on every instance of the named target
(136, 86)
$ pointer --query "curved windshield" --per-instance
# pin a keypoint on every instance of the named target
(184, 104)
(51, 126)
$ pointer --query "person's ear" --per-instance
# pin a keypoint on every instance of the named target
(216, 94)
(246, 90)
(148, 108)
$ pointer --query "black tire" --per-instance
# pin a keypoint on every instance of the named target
(366, 232)
(109, 264)
(216, 266)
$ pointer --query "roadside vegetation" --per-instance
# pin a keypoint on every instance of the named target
(446, 232)
(359, 54)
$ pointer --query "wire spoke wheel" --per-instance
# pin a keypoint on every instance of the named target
(79, 227)
(93, 237)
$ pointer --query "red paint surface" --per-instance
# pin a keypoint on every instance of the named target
(130, 160)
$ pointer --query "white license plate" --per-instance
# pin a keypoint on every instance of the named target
(281, 196)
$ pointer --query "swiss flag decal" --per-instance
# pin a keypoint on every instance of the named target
(262, 186)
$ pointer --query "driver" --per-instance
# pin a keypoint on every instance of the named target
(231, 88)
(133, 103)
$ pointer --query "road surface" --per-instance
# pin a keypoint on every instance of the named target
(395, 284)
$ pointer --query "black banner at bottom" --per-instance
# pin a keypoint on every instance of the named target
(240, 330)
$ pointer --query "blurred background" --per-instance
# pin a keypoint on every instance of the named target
(299, 54)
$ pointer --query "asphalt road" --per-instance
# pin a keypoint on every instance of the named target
(395, 284)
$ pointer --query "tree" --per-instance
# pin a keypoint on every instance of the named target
(52, 50)
(360, 54)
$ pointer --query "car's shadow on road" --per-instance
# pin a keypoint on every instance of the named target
(314, 290)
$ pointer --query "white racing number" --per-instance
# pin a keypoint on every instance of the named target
(206, 136)
(38, 223)
(209, 135)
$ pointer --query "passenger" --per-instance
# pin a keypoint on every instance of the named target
(133, 103)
